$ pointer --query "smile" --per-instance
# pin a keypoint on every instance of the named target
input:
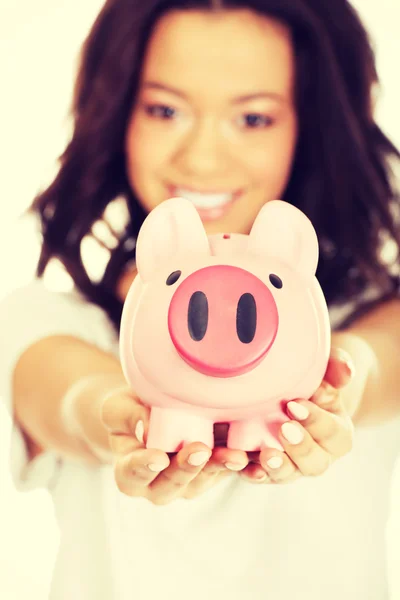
(210, 205)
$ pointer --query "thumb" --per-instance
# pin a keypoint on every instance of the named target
(126, 420)
(340, 369)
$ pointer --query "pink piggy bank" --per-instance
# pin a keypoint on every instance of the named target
(226, 328)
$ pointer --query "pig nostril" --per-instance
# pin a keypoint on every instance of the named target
(198, 316)
(246, 318)
(173, 278)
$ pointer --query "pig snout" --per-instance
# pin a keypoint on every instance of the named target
(222, 320)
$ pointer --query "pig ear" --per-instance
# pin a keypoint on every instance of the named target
(173, 227)
(283, 231)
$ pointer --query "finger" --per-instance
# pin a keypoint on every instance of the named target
(278, 466)
(135, 471)
(239, 461)
(183, 468)
(121, 412)
(226, 458)
(340, 369)
(222, 463)
(333, 432)
(329, 399)
(254, 473)
(203, 482)
(126, 420)
(308, 456)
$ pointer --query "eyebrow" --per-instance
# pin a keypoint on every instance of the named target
(239, 100)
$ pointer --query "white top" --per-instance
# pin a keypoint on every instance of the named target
(314, 539)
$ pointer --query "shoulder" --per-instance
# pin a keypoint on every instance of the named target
(345, 314)
(35, 311)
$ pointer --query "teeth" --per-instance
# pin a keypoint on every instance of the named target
(205, 200)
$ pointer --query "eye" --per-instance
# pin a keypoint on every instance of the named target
(276, 281)
(256, 121)
(173, 278)
(160, 111)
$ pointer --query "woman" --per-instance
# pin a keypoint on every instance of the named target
(230, 105)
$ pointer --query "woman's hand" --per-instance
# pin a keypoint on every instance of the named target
(152, 473)
(319, 432)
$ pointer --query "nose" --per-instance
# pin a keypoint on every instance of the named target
(222, 320)
(201, 152)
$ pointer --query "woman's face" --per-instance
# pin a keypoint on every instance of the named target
(214, 119)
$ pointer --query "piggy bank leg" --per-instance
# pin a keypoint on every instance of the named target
(255, 434)
(171, 429)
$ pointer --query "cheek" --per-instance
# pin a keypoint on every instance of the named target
(272, 160)
(145, 150)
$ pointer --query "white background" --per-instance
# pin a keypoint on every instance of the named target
(39, 42)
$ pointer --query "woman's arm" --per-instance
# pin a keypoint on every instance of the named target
(373, 341)
(48, 379)
(71, 397)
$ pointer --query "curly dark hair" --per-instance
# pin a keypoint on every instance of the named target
(341, 176)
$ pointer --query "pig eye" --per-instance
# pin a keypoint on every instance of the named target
(173, 278)
(276, 281)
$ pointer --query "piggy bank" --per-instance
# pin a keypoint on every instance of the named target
(223, 329)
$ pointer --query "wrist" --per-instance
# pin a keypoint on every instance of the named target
(82, 407)
(364, 360)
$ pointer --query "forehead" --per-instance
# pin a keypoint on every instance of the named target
(230, 52)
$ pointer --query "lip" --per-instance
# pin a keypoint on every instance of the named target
(189, 188)
(211, 214)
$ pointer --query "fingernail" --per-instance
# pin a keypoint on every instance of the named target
(139, 431)
(350, 367)
(298, 410)
(198, 458)
(292, 433)
(275, 462)
(234, 466)
(345, 359)
(156, 468)
(252, 478)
